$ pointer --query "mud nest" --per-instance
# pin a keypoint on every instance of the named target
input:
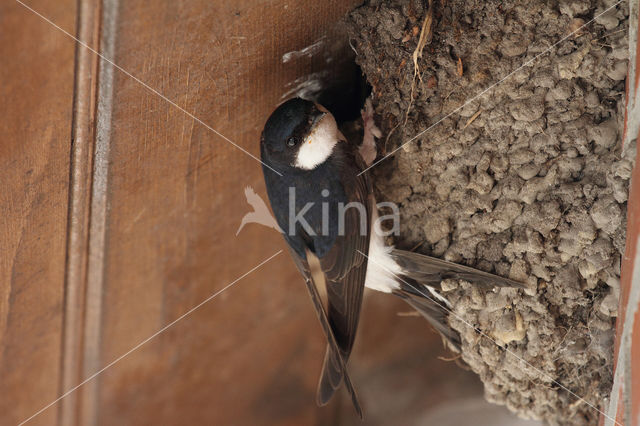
(527, 181)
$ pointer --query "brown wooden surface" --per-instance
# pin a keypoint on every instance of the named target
(175, 199)
(624, 404)
(36, 72)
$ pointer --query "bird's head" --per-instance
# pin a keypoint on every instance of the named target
(299, 134)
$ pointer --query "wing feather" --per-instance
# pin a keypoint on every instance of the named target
(345, 271)
(344, 268)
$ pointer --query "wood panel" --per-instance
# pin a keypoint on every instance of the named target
(36, 109)
(173, 200)
(624, 404)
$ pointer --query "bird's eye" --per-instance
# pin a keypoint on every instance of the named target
(292, 141)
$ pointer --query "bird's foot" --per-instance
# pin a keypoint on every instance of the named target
(368, 149)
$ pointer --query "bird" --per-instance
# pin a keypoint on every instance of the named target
(260, 213)
(322, 198)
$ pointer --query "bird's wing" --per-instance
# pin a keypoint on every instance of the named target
(431, 271)
(345, 269)
(333, 346)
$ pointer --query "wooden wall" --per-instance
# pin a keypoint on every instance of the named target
(624, 404)
(119, 212)
(37, 75)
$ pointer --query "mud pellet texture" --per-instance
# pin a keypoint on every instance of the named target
(526, 181)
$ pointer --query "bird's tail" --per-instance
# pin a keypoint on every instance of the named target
(420, 285)
(331, 376)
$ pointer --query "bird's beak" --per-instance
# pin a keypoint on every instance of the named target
(318, 116)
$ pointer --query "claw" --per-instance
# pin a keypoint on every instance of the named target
(368, 149)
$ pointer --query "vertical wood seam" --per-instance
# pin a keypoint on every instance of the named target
(98, 232)
(80, 183)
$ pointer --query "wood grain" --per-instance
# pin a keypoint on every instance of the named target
(37, 93)
(82, 150)
(174, 201)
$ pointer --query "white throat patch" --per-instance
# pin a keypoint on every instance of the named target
(318, 146)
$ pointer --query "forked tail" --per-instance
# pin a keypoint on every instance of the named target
(420, 287)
